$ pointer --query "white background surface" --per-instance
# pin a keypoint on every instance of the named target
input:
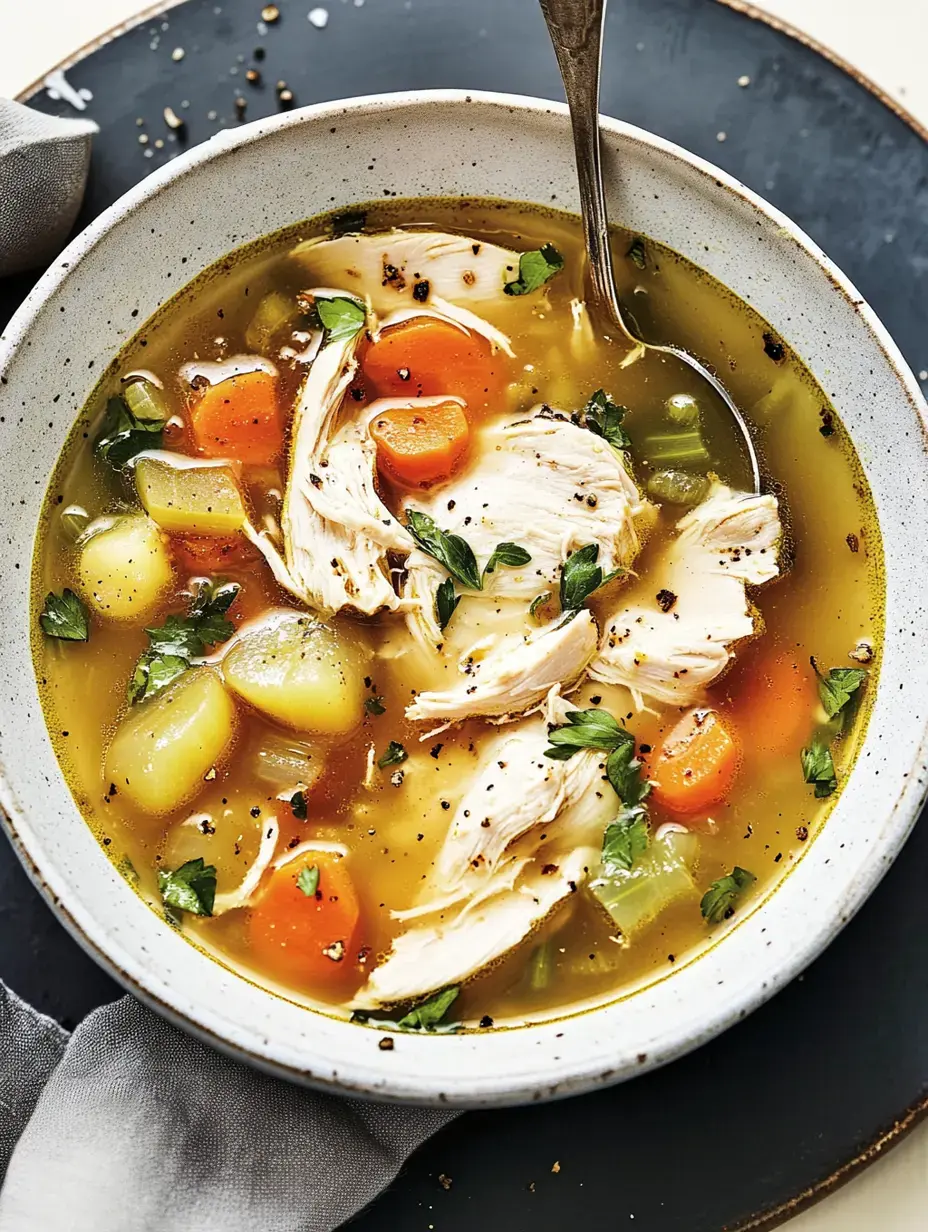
(887, 40)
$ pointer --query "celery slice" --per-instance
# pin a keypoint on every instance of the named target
(188, 497)
(636, 896)
(676, 448)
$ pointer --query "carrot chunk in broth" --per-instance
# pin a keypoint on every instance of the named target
(426, 357)
(697, 764)
(304, 927)
(420, 444)
(239, 418)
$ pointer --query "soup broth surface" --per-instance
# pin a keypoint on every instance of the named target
(315, 794)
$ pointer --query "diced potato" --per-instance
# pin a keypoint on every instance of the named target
(124, 567)
(165, 746)
(299, 672)
(189, 498)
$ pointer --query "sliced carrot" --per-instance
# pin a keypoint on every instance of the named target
(307, 939)
(239, 418)
(425, 357)
(697, 763)
(775, 704)
(419, 444)
(198, 554)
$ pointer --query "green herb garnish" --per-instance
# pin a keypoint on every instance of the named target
(191, 888)
(818, 767)
(581, 576)
(65, 617)
(449, 550)
(718, 902)
(445, 602)
(637, 253)
(129, 430)
(839, 688)
(308, 881)
(625, 840)
(509, 554)
(340, 317)
(587, 729)
(604, 417)
(182, 638)
(428, 1015)
(535, 268)
(394, 755)
(374, 705)
(298, 805)
(537, 603)
(623, 770)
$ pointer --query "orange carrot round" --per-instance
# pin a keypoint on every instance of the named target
(307, 936)
(239, 418)
(776, 703)
(426, 357)
(418, 444)
(697, 764)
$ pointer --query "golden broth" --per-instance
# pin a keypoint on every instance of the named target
(827, 599)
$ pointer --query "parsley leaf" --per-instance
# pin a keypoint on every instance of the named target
(581, 576)
(718, 902)
(155, 672)
(182, 638)
(623, 770)
(637, 253)
(818, 767)
(374, 705)
(449, 550)
(428, 1015)
(65, 617)
(298, 805)
(587, 729)
(394, 755)
(510, 554)
(537, 603)
(535, 268)
(192, 887)
(625, 840)
(308, 881)
(839, 688)
(445, 602)
(603, 417)
(340, 317)
(124, 434)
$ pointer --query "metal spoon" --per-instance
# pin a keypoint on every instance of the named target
(576, 29)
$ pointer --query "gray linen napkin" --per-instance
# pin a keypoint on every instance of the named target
(130, 1125)
(43, 171)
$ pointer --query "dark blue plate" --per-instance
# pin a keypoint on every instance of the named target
(783, 1107)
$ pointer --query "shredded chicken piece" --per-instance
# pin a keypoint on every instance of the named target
(673, 646)
(242, 895)
(541, 482)
(398, 267)
(337, 531)
(516, 675)
(445, 952)
(522, 839)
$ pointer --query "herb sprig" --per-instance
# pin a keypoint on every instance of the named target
(427, 1016)
(190, 888)
(603, 417)
(125, 432)
(393, 755)
(535, 269)
(581, 577)
(183, 638)
(308, 881)
(339, 316)
(818, 767)
(458, 558)
(446, 601)
(839, 689)
(718, 902)
(65, 617)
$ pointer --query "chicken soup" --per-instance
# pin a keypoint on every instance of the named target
(421, 650)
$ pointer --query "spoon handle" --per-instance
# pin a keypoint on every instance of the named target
(576, 30)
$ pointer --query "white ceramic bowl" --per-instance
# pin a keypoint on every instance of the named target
(243, 184)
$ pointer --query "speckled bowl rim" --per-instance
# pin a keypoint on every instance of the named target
(472, 1069)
